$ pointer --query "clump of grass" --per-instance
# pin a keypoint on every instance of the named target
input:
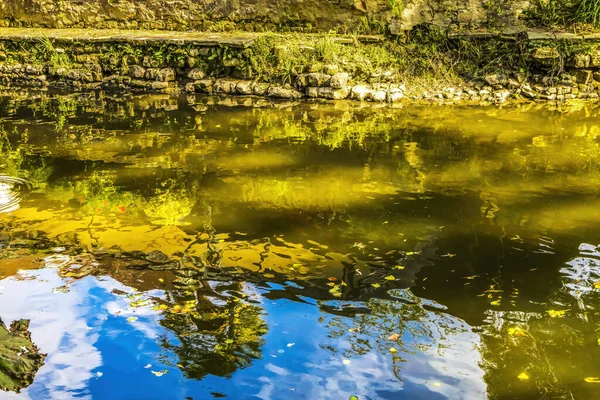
(397, 7)
(49, 52)
(549, 12)
(588, 12)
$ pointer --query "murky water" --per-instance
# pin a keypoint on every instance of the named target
(201, 248)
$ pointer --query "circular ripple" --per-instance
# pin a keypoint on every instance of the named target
(12, 191)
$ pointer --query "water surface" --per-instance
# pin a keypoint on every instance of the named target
(195, 247)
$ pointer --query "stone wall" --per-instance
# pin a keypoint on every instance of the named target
(261, 15)
(463, 13)
(253, 15)
(556, 70)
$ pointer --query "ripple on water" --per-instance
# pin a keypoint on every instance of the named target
(12, 191)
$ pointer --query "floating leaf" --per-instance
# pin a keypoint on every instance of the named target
(332, 278)
(399, 267)
(523, 376)
(437, 384)
(270, 276)
(597, 284)
(375, 285)
(330, 284)
(390, 278)
(591, 379)
(132, 319)
(346, 362)
(229, 341)
(353, 398)
(393, 350)
(160, 373)
(290, 344)
(148, 366)
(556, 313)
(393, 337)
(161, 280)
(495, 303)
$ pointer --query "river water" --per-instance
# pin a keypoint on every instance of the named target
(199, 248)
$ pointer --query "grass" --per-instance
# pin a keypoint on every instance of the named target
(588, 11)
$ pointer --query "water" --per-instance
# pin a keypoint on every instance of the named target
(172, 248)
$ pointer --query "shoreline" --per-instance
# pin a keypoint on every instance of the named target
(432, 65)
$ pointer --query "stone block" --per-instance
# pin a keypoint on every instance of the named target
(318, 79)
(333, 94)
(581, 61)
(283, 93)
(583, 77)
(339, 80)
(196, 74)
(137, 72)
(360, 92)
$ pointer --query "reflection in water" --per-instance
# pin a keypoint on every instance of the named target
(203, 247)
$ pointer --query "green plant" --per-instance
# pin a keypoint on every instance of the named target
(397, 7)
(48, 52)
(588, 11)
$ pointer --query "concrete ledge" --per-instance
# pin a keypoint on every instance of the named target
(236, 40)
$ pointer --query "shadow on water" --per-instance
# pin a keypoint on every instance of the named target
(204, 247)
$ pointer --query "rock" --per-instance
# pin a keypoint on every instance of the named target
(135, 71)
(552, 90)
(225, 86)
(394, 96)
(449, 93)
(283, 93)
(513, 84)
(204, 86)
(261, 89)
(378, 96)
(73, 75)
(190, 87)
(581, 61)
(32, 70)
(312, 92)
(159, 85)
(520, 77)
(596, 76)
(583, 76)
(301, 81)
(495, 79)
(334, 94)
(192, 62)
(196, 74)
(318, 79)
(595, 59)
(198, 51)
(549, 97)
(166, 75)
(360, 93)
(546, 56)
(230, 62)
(244, 87)
(331, 69)
(339, 80)
(502, 95)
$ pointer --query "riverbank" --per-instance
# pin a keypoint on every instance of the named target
(427, 63)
